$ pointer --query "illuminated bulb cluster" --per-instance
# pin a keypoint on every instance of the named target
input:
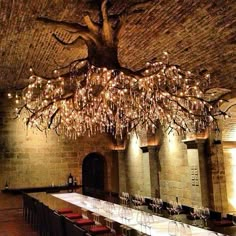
(104, 100)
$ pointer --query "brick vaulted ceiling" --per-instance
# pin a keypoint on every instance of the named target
(198, 34)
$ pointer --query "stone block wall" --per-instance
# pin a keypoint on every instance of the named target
(229, 158)
(146, 174)
(173, 167)
(30, 158)
(134, 166)
(230, 175)
(175, 177)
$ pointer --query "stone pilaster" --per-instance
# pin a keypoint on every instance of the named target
(154, 171)
(122, 171)
(196, 153)
(150, 171)
(219, 200)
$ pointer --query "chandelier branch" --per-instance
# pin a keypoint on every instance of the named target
(132, 9)
(229, 108)
(73, 63)
(52, 117)
(63, 24)
(97, 94)
(106, 26)
(92, 26)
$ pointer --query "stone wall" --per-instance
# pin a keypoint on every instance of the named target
(134, 166)
(230, 175)
(229, 157)
(175, 178)
(30, 158)
(171, 164)
(197, 171)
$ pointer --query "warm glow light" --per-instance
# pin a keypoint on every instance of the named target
(134, 146)
(107, 100)
(173, 142)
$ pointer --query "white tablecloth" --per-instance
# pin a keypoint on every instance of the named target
(159, 225)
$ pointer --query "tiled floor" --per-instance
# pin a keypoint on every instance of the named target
(12, 223)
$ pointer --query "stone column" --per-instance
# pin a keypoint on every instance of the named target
(150, 171)
(154, 171)
(197, 159)
(122, 171)
(203, 168)
(219, 200)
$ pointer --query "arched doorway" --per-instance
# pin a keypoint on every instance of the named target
(93, 175)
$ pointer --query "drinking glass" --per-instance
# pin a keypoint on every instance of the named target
(121, 198)
(194, 213)
(121, 212)
(188, 231)
(181, 228)
(152, 205)
(170, 208)
(205, 214)
(150, 220)
(129, 214)
(126, 198)
(172, 228)
(140, 219)
(159, 205)
(155, 201)
(177, 208)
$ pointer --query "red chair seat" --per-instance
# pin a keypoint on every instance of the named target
(64, 211)
(83, 221)
(72, 216)
(99, 229)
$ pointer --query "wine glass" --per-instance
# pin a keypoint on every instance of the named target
(159, 205)
(205, 214)
(149, 222)
(121, 212)
(152, 205)
(140, 218)
(177, 208)
(136, 201)
(188, 231)
(181, 228)
(144, 220)
(129, 214)
(155, 205)
(142, 200)
(170, 208)
(172, 228)
(194, 213)
(121, 198)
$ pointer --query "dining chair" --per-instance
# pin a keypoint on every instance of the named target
(72, 229)
(57, 224)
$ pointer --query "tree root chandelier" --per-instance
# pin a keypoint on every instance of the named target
(98, 95)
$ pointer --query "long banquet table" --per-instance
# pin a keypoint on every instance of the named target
(130, 217)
